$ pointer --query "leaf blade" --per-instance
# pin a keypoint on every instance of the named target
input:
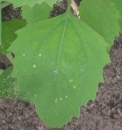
(118, 4)
(62, 68)
(8, 33)
(19, 3)
(103, 17)
(7, 84)
(36, 13)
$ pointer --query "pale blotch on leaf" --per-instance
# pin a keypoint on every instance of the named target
(35, 95)
(70, 80)
(66, 96)
(63, 64)
(40, 55)
(60, 99)
(34, 66)
(56, 100)
(23, 54)
(74, 87)
(67, 58)
(55, 71)
(81, 70)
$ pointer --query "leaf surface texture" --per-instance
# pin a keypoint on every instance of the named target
(59, 62)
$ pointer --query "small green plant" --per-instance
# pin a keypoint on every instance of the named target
(58, 61)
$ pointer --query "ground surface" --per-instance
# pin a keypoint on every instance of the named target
(105, 113)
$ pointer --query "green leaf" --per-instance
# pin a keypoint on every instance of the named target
(8, 33)
(118, 4)
(7, 83)
(102, 16)
(0, 25)
(31, 3)
(8, 86)
(61, 65)
(36, 13)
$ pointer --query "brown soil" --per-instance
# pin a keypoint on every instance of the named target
(105, 113)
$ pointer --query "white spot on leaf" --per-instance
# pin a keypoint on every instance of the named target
(55, 71)
(35, 95)
(23, 54)
(67, 58)
(70, 80)
(74, 87)
(56, 100)
(60, 99)
(34, 66)
(40, 55)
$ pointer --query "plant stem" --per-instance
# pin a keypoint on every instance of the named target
(69, 5)
(4, 4)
